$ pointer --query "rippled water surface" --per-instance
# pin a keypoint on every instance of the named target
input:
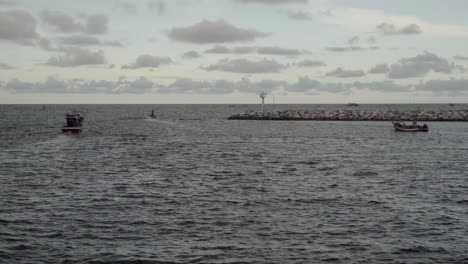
(193, 187)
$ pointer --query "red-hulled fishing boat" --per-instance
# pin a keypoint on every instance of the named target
(74, 122)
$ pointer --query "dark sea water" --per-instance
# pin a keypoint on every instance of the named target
(193, 187)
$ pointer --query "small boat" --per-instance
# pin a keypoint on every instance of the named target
(152, 114)
(402, 127)
(352, 104)
(74, 122)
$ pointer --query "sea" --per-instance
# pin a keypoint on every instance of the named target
(190, 186)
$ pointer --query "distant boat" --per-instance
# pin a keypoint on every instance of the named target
(402, 127)
(74, 122)
(352, 104)
(152, 114)
(452, 104)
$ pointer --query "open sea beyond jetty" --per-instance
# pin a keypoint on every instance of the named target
(193, 187)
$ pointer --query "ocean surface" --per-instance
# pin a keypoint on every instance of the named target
(193, 187)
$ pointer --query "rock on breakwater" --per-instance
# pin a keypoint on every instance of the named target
(354, 115)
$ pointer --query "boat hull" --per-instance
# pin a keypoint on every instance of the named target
(411, 129)
(73, 130)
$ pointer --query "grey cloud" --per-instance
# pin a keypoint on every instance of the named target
(148, 61)
(390, 29)
(310, 63)
(218, 31)
(17, 26)
(96, 24)
(420, 65)
(191, 55)
(278, 51)
(305, 84)
(219, 49)
(185, 85)
(76, 57)
(300, 15)
(4, 66)
(80, 40)
(382, 86)
(371, 40)
(61, 22)
(9, 2)
(350, 48)
(459, 57)
(342, 73)
(84, 40)
(274, 2)
(451, 87)
(160, 6)
(129, 7)
(79, 86)
(380, 69)
(246, 66)
(354, 40)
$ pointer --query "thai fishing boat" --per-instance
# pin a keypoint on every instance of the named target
(152, 114)
(402, 127)
(74, 122)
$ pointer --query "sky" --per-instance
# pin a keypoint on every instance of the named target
(229, 51)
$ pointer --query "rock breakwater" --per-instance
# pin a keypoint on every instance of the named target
(355, 115)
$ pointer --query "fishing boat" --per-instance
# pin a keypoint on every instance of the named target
(402, 127)
(152, 114)
(74, 122)
(352, 104)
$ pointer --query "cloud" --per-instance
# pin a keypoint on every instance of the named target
(191, 55)
(371, 40)
(382, 86)
(85, 40)
(369, 18)
(79, 86)
(354, 40)
(452, 87)
(305, 84)
(148, 61)
(459, 57)
(76, 57)
(380, 69)
(278, 51)
(391, 29)
(350, 48)
(96, 24)
(299, 15)
(4, 66)
(61, 22)
(246, 66)
(17, 25)
(274, 2)
(342, 73)
(420, 65)
(129, 7)
(186, 85)
(218, 31)
(160, 6)
(9, 2)
(310, 63)
(219, 49)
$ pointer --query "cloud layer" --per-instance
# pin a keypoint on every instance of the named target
(218, 31)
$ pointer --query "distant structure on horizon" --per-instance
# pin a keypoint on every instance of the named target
(263, 95)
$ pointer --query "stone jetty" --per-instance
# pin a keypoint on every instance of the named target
(355, 115)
